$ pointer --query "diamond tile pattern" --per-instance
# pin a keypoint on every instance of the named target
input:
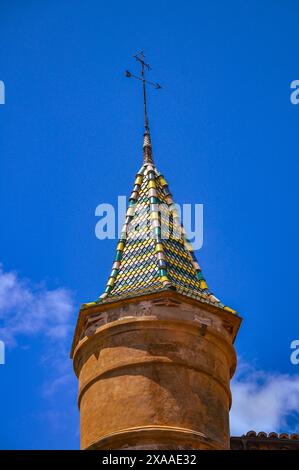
(153, 253)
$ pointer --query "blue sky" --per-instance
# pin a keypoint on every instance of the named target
(224, 134)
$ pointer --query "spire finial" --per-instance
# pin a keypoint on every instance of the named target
(147, 145)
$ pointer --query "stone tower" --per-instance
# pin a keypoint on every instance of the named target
(154, 354)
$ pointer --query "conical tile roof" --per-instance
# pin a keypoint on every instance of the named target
(153, 253)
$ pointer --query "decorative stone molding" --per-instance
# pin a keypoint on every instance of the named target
(162, 309)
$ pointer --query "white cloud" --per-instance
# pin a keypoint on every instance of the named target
(264, 401)
(28, 310)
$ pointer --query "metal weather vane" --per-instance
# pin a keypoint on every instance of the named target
(144, 67)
